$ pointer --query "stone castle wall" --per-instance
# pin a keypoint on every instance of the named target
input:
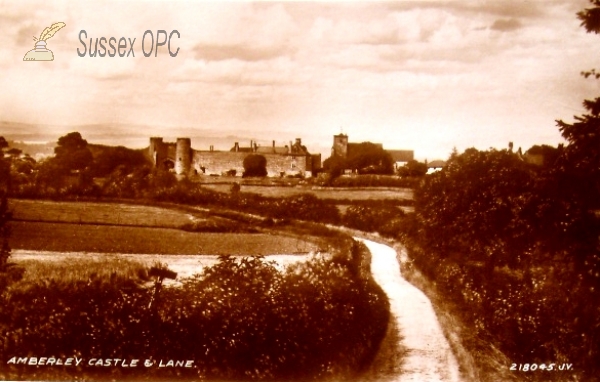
(187, 161)
(219, 162)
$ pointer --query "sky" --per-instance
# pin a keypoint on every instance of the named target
(427, 76)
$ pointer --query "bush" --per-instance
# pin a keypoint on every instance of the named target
(371, 219)
(518, 259)
(374, 181)
(241, 319)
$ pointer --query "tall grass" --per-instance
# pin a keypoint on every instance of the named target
(73, 270)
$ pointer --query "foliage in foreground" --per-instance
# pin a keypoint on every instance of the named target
(239, 320)
(517, 253)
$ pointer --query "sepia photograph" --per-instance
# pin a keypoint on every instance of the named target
(328, 191)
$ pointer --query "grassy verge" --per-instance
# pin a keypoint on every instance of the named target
(478, 360)
(387, 364)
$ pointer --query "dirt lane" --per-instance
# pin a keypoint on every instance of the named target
(429, 358)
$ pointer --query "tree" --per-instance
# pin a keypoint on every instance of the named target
(364, 158)
(478, 202)
(4, 232)
(334, 165)
(3, 143)
(8, 273)
(590, 17)
(72, 153)
(107, 159)
(579, 167)
(255, 165)
(412, 168)
(5, 180)
(369, 158)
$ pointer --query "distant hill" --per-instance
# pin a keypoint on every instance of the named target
(137, 136)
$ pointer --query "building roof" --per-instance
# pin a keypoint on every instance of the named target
(272, 150)
(401, 155)
(436, 164)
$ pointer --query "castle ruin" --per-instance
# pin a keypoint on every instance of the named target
(293, 159)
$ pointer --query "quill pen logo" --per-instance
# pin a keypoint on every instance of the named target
(41, 53)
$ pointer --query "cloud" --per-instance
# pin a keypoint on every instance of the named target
(274, 72)
(214, 52)
(506, 25)
(247, 32)
(526, 9)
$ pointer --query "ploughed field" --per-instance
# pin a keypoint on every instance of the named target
(123, 228)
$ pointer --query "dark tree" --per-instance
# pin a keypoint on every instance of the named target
(72, 153)
(478, 202)
(4, 232)
(14, 152)
(107, 159)
(364, 158)
(334, 165)
(590, 17)
(413, 168)
(255, 165)
(369, 158)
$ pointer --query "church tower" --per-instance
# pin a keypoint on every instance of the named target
(340, 146)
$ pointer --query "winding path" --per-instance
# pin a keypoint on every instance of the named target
(429, 356)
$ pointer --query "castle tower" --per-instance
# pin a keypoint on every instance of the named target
(340, 145)
(156, 150)
(183, 156)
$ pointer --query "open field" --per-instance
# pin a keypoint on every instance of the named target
(72, 266)
(99, 213)
(68, 237)
(374, 193)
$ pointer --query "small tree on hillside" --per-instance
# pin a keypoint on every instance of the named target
(255, 165)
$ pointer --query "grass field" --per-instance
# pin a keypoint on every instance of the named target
(322, 193)
(99, 213)
(71, 269)
(69, 237)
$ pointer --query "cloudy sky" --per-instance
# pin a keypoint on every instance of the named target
(421, 75)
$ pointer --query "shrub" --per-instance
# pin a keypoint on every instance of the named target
(241, 319)
(518, 259)
(372, 218)
(374, 181)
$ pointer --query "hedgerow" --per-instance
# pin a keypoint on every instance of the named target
(517, 254)
(242, 319)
